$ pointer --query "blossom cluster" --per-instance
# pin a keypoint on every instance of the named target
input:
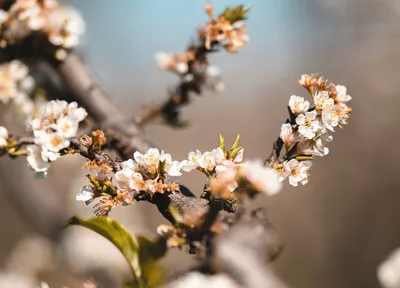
(16, 85)
(155, 172)
(63, 26)
(306, 133)
(227, 30)
(190, 70)
(148, 173)
(52, 131)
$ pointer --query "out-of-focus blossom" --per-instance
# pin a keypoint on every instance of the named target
(3, 137)
(174, 62)
(14, 81)
(62, 25)
(262, 178)
(232, 36)
(389, 271)
(198, 280)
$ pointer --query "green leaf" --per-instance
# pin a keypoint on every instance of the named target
(236, 13)
(236, 143)
(153, 275)
(151, 250)
(304, 157)
(222, 143)
(235, 149)
(116, 234)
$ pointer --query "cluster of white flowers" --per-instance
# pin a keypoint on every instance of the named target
(16, 85)
(308, 135)
(148, 173)
(62, 25)
(16, 89)
(212, 163)
(52, 131)
(3, 137)
(229, 170)
(143, 173)
(232, 36)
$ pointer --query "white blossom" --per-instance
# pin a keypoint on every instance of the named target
(55, 109)
(56, 141)
(85, 193)
(308, 124)
(319, 143)
(192, 163)
(330, 117)
(389, 271)
(298, 105)
(76, 113)
(343, 113)
(262, 178)
(209, 160)
(341, 94)
(153, 157)
(35, 159)
(67, 126)
(164, 60)
(213, 78)
(3, 16)
(3, 137)
(15, 81)
(198, 280)
(52, 130)
(322, 100)
(287, 135)
(296, 171)
(64, 27)
(49, 155)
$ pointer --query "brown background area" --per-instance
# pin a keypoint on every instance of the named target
(340, 226)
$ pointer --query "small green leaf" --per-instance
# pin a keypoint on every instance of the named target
(236, 143)
(222, 143)
(233, 153)
(236, 13)
(116, 234)
(235, 148)
(304, 157)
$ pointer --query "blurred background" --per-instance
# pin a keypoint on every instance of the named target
(337, 229)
